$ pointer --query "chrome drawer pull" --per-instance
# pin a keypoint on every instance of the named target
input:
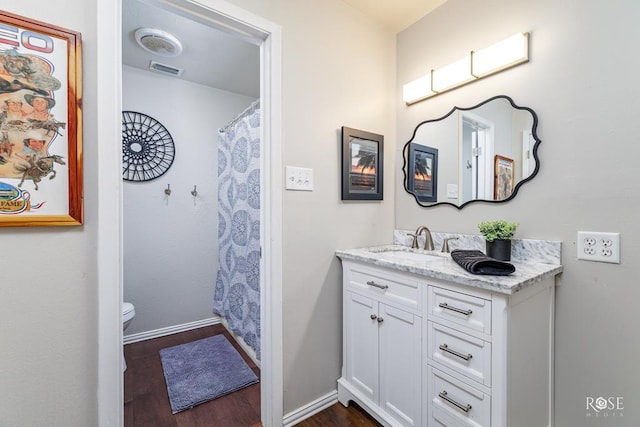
(457, 310)
(376, 285)
(443, 395)
(446, 348)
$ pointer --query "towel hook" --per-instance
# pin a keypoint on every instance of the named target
(194, 193)
(167, 190)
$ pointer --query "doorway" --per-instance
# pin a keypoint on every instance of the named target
(178, 176)
(265, 34)
(476, 143)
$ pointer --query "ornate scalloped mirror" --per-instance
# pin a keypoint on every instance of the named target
(480, 153)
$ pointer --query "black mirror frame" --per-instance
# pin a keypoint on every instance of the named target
(534, 134)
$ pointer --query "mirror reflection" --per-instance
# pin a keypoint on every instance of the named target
(481, 153)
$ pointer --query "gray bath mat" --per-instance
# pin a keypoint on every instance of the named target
(203, 370)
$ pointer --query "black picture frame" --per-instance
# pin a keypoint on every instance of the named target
(362, 164)
(423, 172)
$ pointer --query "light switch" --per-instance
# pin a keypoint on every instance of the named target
(300, 179)
(452, 191)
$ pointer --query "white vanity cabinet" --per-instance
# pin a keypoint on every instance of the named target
(382, 345)
(421, 351)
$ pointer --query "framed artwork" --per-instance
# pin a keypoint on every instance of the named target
(503, 178)
(423, 172)
(148, 150)
(40, 124)
(362, 160)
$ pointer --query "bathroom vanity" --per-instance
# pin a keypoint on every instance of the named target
(426, 343)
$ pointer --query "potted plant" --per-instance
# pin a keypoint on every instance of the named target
(498, 236)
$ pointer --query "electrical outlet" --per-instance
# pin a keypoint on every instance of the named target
(597, 246)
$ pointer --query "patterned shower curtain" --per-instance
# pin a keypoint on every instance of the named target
(237, 293)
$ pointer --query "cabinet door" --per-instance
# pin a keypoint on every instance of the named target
(400, 367)
(362, 344)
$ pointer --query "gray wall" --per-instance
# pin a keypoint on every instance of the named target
(337, 69)
(171, 243)
(48, 302)
(582, 83)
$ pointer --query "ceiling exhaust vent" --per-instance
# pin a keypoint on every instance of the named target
(158, 42)
(166, 69)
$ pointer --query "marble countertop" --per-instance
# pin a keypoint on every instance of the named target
(445, 268)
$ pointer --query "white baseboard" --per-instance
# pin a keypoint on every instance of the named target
(169, 330)
(157, 333)
(310, 409)
(242, 343)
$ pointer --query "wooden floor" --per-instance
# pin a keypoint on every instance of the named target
(146, 402)
(338, 415)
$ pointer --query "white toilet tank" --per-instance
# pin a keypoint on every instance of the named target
(128, 311)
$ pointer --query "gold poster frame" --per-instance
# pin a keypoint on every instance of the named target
(27, 41)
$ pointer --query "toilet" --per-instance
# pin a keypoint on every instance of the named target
(128, 311)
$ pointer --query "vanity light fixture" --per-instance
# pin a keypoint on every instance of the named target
(478, 64)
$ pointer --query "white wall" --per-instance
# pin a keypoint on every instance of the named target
(171, 243)
(582, 83)
(337, 69)
(48, 302)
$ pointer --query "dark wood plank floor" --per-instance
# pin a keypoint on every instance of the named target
(339, 416)
(146, 402)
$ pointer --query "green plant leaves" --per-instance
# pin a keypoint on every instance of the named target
(497, 230)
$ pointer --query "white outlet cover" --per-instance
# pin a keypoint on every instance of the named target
(452, 191)
(598, 246)
(300, 179)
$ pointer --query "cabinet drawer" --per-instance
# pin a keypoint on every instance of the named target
(453, 403)
(461, 352)
(462, 309)
(385, 285)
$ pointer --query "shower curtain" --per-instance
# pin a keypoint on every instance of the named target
(237, 291)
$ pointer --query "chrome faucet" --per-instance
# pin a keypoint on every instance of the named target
(445, 244)
(428, 240)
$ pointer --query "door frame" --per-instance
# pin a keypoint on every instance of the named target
(267, 35)
(486, 166)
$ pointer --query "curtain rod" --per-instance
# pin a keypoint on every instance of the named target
(249, 110)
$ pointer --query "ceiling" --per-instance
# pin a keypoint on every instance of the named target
(216, 59)
(395, 15)
(210, 57)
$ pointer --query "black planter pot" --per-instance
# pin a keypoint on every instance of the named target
(499, 249)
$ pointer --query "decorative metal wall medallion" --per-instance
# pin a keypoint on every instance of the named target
(147, 147)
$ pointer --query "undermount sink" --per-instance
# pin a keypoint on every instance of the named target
(406, 255)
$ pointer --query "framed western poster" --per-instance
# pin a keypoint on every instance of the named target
(503, 178)
(40, 124)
